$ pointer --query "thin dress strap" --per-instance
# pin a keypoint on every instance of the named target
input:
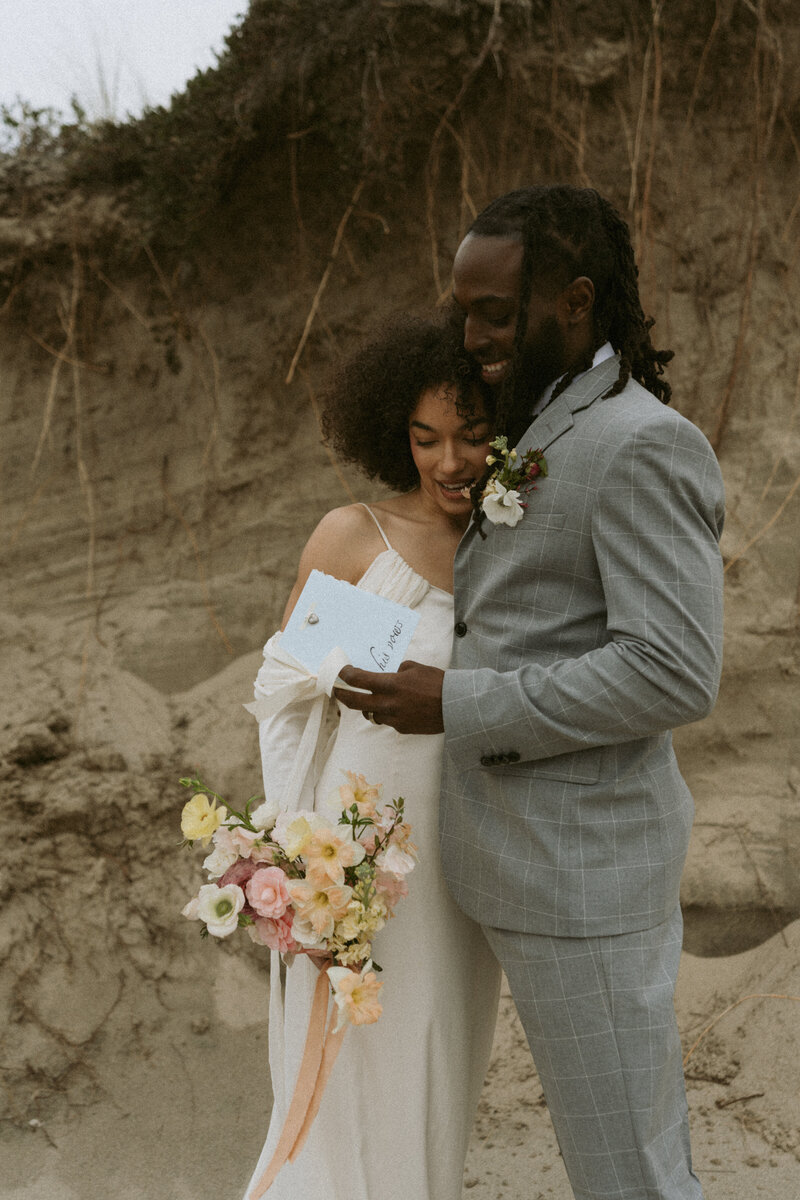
(377, 522)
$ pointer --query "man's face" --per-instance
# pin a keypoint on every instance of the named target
(486, 287)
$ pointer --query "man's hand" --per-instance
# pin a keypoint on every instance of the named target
(410, 701)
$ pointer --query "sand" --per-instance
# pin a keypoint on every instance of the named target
(135, 1055)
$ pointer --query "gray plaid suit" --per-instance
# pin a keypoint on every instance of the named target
(583, 636)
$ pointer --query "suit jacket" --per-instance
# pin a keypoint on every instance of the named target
(584, 634)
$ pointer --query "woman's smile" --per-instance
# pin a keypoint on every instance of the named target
(448, 447)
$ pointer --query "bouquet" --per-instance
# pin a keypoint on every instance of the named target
(300, 885)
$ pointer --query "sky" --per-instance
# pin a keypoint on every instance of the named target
(116, 56)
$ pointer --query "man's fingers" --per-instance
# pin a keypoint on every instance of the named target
(370, 681)
(361, 701)
(410, 701)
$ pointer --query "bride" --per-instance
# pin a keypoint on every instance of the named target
(395, 1118)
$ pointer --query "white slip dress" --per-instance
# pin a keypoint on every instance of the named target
(396, 1117)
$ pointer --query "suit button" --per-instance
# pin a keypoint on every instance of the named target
(461, 628)
(487, 760)
(512, 756)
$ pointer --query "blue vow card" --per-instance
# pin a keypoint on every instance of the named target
(372, 631)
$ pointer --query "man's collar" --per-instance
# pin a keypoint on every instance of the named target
(558, 417)
(606, 351)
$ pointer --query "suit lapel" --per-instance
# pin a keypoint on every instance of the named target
(557, 418)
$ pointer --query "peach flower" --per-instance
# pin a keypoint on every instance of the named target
(356, 995)
(401, 836)
(316, 908)
(327, 854)
(357, 791)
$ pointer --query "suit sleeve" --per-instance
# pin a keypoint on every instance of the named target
(655, 529)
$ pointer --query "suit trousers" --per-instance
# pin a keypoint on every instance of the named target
(599, 1016)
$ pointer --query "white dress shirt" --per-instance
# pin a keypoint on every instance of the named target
(605, 351)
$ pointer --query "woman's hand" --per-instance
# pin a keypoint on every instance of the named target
(410, 700)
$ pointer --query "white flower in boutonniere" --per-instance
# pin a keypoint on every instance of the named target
(500, 505)
(513, 477)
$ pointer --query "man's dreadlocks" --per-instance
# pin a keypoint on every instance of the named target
(567, 232)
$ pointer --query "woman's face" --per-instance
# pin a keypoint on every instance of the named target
(449, 450)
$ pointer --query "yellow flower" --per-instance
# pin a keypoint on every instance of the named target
(359, 792)
(361, 919)
(355, 955)
(201, 818)
(298, 835)
(349, 927)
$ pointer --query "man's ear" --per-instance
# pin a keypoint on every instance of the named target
(575, 303)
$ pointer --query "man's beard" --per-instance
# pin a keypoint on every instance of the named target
(542, 360)
(541, 363)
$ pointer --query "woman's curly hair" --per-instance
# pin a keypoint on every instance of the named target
(367, 406)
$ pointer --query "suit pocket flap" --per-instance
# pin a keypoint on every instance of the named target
(581, 766)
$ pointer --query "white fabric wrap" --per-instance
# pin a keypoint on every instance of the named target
(296, 719)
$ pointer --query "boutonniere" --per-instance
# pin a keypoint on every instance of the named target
(512, 478)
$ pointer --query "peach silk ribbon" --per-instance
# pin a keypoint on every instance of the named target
(321, 1048)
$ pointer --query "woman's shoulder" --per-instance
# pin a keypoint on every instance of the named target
(342, 524)
(344, 543)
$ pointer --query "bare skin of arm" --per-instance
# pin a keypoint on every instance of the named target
(410, 700)
(343, 545)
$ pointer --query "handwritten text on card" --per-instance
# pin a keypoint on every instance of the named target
(382, 658)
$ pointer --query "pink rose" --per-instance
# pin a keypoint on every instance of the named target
(266, 891)
(275, 934)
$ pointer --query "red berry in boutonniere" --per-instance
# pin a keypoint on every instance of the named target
(513, 477)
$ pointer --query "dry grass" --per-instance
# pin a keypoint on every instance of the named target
(730, 1008)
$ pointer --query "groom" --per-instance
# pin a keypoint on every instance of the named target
(584, 632)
